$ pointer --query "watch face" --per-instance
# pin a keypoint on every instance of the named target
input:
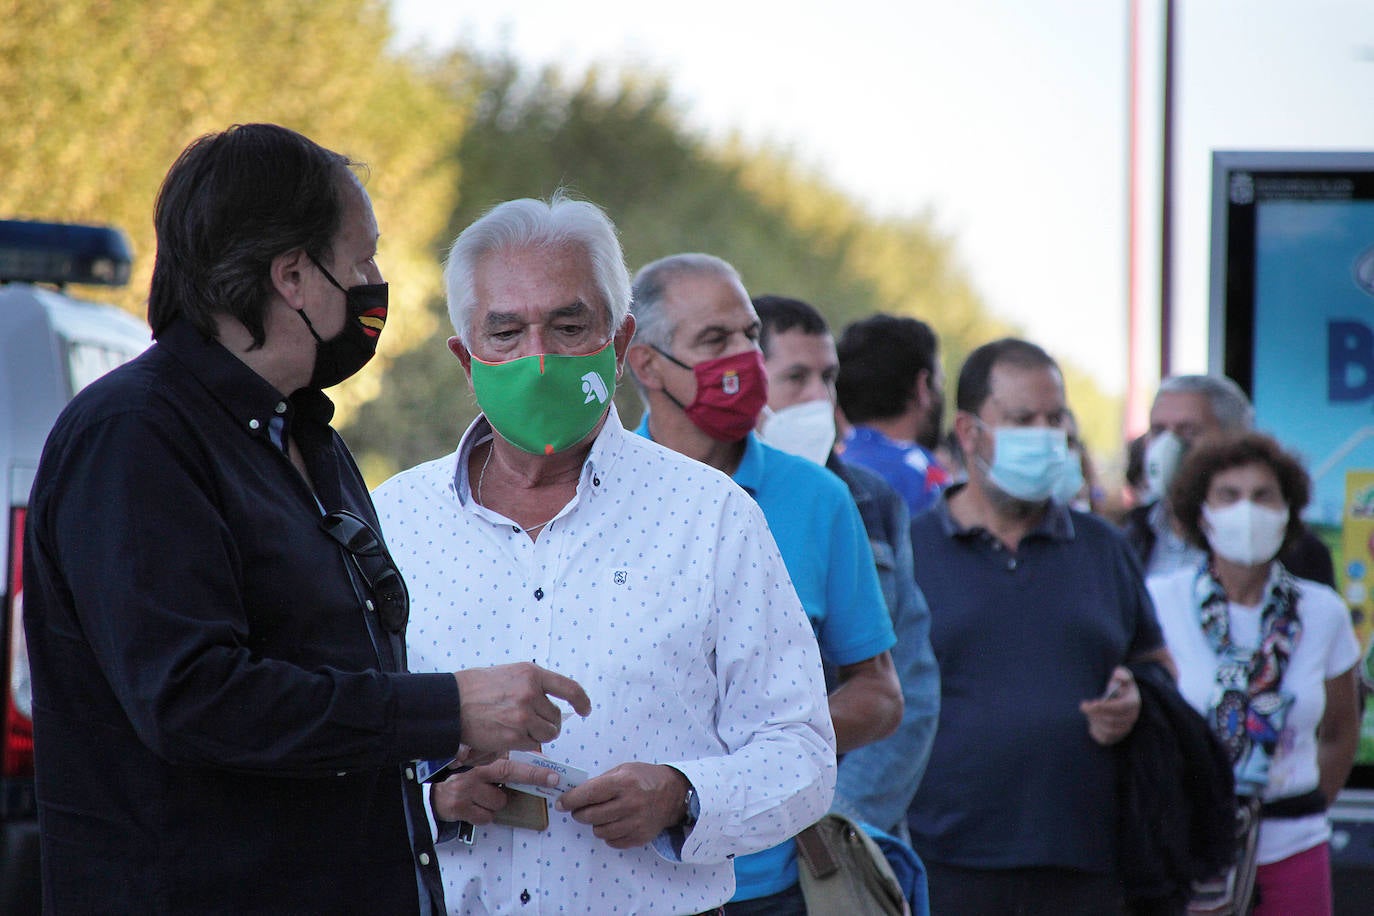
(693, 808)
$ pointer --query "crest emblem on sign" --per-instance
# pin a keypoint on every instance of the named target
(730, 383)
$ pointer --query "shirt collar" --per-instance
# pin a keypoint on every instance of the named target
(249, 398)
(752, 464)
(1055, 525)
(596, 470)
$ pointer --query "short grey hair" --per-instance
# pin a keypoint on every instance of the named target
(530, 223)
(651, 283)
(1229, 404)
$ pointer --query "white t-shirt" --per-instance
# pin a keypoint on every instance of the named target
(1326, 648)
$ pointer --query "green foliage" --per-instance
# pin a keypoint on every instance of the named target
(101, 96)
(622, 145)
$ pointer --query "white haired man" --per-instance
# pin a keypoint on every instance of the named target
(1187, 408)
(553, 533)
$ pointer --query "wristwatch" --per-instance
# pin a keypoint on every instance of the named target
(693, 805)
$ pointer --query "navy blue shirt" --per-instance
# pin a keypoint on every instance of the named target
(220, 724)
(1021, 638)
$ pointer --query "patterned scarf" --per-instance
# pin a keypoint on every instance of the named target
(1248, 710)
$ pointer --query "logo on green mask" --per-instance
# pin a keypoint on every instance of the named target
(546, 403)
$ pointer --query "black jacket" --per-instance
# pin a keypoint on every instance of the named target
(1306, 558)
(1176, 796)
(220, 724)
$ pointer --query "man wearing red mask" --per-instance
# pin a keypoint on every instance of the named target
(696, 359)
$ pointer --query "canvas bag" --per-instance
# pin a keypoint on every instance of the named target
(844, 872)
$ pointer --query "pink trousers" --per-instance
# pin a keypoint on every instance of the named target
(1299, 885)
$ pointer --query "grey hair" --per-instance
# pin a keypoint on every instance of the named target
(1229, 404)
(530, 223)
(651, 283)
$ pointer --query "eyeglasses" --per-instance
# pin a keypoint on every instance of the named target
(391, 599)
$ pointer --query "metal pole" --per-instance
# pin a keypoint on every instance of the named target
(1166, 229)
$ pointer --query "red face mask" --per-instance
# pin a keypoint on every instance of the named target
(731, 391)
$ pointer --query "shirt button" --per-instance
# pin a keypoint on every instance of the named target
(424, 858)
(1011, 564)
(368, 602)
(525, 896)
(538, 594)
(341, 773)
(410, 774)
(253, 424)
(281, 407)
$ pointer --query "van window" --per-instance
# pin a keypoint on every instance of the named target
(88, 361)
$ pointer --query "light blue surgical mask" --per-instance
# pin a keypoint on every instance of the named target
(1070, 482)
(1027, 461)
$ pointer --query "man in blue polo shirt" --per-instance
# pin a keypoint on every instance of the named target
(1036, 610)
(696, 360)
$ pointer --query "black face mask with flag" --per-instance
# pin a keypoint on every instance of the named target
(348, 351)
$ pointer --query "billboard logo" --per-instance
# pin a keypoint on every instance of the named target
(1349, 361)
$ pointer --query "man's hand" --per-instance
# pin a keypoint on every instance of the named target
(475, 796)
(508, 707)
(1112, 715)
(628, 805)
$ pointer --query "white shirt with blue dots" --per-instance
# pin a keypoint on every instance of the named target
(658, 588)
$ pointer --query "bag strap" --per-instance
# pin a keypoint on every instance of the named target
(817, 855)
(1313, 802)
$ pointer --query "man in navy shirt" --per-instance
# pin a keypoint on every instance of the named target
(1035, 610)
(223, 721)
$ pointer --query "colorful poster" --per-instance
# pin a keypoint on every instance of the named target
(1313, 379)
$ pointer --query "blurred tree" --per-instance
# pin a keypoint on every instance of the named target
(101, 96)
(621, 143)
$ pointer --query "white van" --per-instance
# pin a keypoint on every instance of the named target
(51, 346)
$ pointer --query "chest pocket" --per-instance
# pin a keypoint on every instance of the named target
(650, 629)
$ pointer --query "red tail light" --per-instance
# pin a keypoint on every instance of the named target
(16, 744)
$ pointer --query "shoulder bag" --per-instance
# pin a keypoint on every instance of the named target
(844, 872)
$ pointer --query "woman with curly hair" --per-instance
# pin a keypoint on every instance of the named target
(1267, 658)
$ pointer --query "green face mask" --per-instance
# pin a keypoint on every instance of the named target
(546, 403)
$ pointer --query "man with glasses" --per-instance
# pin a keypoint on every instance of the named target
(554, 534)
(222, 718)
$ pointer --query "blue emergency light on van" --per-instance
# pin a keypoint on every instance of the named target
(62, 253)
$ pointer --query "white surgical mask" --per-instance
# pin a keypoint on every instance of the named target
(1245, 532)
(1027, 461)
(1161, 462)
(806, 429)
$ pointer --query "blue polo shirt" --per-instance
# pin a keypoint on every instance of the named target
(1021, 638)
(825, 548)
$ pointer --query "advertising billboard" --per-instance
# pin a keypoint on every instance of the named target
(1292, 313)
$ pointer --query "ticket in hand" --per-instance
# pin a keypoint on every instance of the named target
(569, 777)
(426, 770)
